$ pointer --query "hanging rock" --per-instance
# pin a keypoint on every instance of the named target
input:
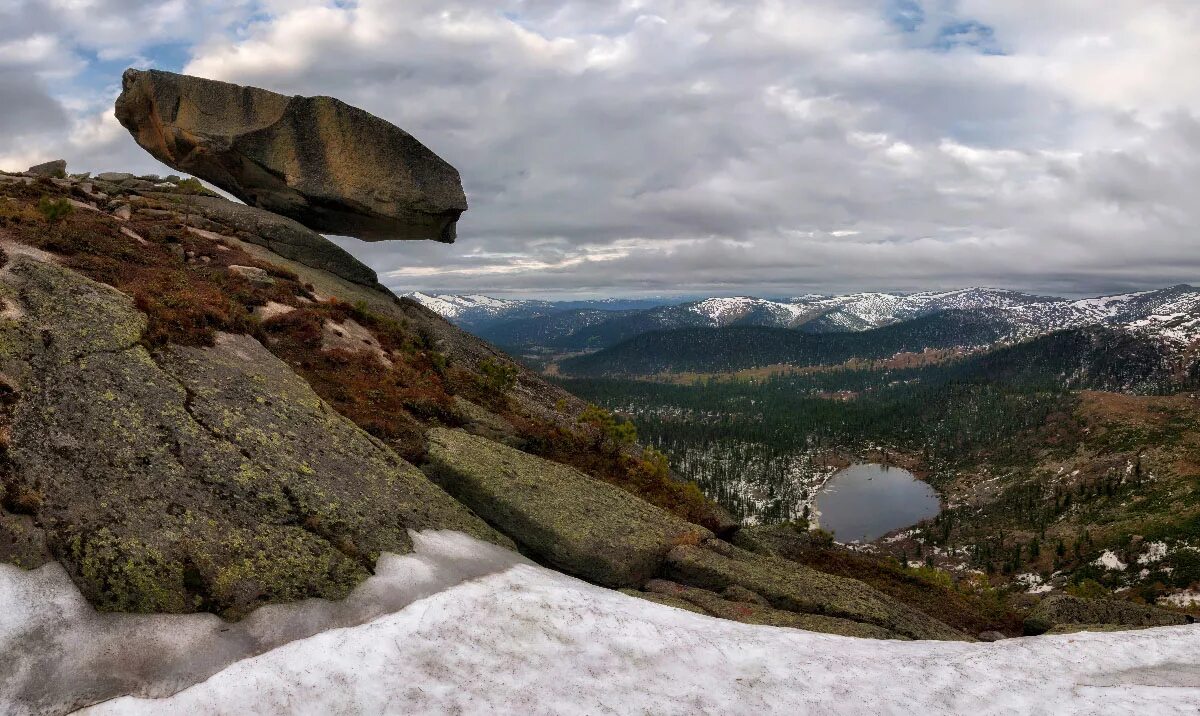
(334, 168)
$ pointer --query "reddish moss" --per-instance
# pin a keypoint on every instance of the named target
(394, 404)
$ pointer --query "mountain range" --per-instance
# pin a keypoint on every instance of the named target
(1172, 314)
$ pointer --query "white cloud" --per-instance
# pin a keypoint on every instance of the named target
(755, 146)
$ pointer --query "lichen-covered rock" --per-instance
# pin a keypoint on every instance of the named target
(484, 423)
(202, 479)
(557, 514)
(739, 611)
(1064, 609)
(715, 565)
(21, 541)
(332, 167)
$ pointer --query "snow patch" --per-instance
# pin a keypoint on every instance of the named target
(1033, 583)
(1110, 560)
(1184, 599)
(1155, 552)
(532, 641)
(527, 640)
(75, 656)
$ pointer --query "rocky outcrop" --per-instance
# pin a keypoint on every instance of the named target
(334, 168)
(283, 236)
(749, 613)
(555, 513)
(195, 479)
(56, 169)
(1063, 613)
(717, 566)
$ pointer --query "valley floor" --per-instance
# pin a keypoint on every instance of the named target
(529, 640)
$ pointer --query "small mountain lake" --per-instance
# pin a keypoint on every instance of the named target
(865, 502)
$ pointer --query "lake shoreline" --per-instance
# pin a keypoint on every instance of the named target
(866, 501)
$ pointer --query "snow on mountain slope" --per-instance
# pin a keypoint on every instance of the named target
(726, 311)
(864, 311)
(475, 311)
(1172, 313)
(453, 307)
(531, 641)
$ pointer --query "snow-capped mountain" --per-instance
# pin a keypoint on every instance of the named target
(864, 311)
(729, 311)
(1171, 313)
(471, 310)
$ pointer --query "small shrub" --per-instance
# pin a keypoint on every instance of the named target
(607, 426)
(497, 376)
(1088, 589)
(191, 185)
(820, 538)
(54, 210)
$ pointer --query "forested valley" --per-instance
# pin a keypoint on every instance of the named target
(1068, 461)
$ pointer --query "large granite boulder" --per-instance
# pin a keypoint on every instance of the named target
(753, 613)
(573, 522)
(55, 169)
(334, 168)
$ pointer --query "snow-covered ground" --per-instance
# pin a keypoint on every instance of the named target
(526, 640)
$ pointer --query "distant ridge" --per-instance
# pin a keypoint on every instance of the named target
(1172, 313)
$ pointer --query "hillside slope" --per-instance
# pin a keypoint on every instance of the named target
(716, 350)
(196, 424)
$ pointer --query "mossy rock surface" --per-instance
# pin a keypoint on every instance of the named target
(206, 479)
(557, 514)
(1063, 609)
(716, 566)
(739, 611)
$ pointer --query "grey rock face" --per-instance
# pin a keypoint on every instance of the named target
(334, 168)
(754, 613)
(717, 566)
(56, 168)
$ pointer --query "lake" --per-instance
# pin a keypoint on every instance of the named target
(865, 502)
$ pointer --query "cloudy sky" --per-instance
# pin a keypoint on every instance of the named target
(702, 146)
